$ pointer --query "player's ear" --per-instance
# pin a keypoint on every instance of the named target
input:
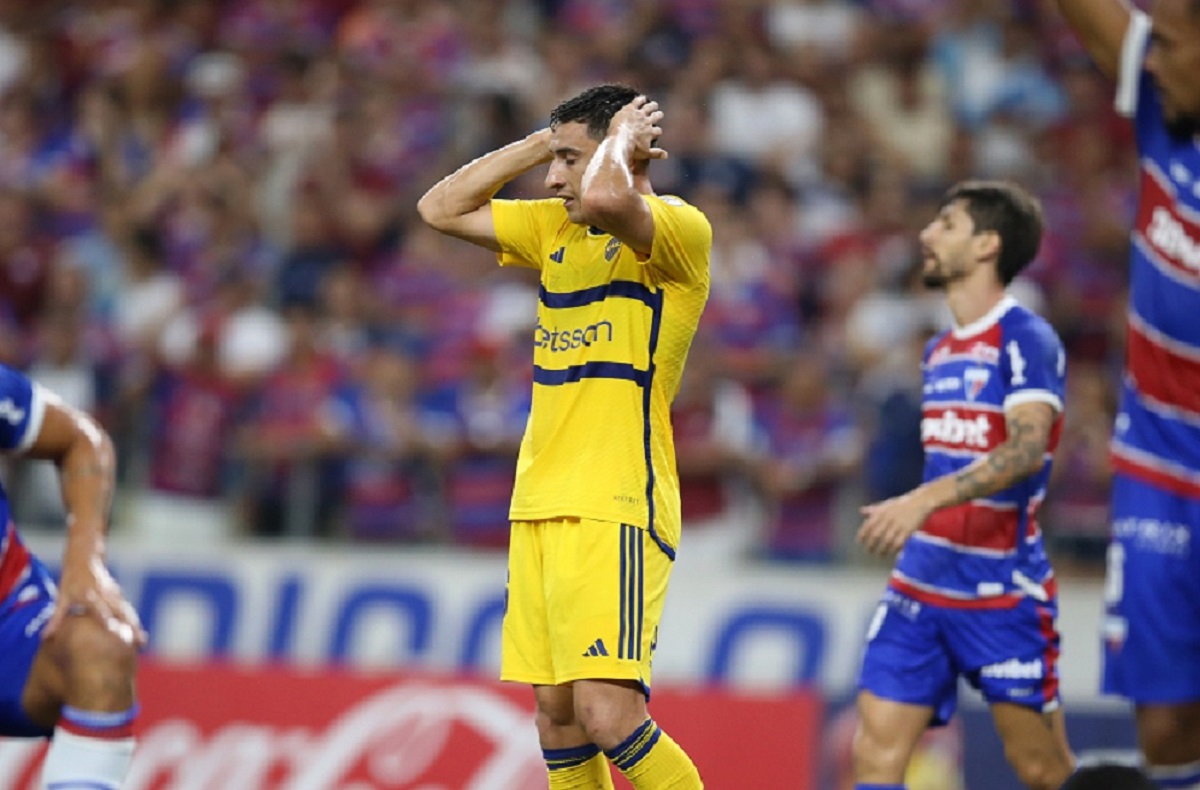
(988, 244)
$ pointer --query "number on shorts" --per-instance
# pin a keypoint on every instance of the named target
(1114, 577)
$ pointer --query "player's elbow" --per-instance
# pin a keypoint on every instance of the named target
(432, 210)
(95, 441)
(607, 209)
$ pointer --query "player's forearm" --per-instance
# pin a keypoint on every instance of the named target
(1005, 466)
(607, 186)
(473, 185)
(87, 477)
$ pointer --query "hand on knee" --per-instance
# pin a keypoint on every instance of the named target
(99, 665)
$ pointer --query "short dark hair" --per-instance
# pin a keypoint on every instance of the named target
(595, 107)
(1109, 776)
(1008, 210)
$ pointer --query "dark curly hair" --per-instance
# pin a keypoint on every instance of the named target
(1013, 213)
(595, 107)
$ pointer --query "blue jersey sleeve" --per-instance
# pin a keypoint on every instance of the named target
(1033, 364)
(21, 409)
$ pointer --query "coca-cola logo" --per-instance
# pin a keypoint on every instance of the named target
(410, 735)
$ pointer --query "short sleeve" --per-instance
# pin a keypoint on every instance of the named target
(22, 408)
(1033, 365)
(519, 228)
(1132, 81)
(682, 240)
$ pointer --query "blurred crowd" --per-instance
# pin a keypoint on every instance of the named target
(208, 239)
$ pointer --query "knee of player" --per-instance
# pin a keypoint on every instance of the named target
(607, 726)
(86, 648)
(876, 751)
(549, 719)
(1044, 769)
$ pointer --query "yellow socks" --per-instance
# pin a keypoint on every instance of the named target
(650, 760)
(578, 768)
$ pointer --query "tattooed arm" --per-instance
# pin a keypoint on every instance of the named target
(83, 453)
(888, 524)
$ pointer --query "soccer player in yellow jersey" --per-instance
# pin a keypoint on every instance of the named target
(595, 509)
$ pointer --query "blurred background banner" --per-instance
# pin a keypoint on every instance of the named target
(751, 627)
(218, 726)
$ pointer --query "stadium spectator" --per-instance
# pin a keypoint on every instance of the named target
(483, 417)
(390, 490)
(811, 444)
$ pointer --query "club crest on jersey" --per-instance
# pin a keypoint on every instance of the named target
(974, 380)
(611, 249)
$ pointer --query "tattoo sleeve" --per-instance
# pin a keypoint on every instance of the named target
(1019, 456)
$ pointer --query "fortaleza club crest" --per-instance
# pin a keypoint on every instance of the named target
(974, 380)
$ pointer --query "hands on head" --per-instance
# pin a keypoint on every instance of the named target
(640, 120)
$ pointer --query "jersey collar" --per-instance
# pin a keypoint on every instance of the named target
(986, 320)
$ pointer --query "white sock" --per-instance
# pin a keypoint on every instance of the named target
(81, 762)
(1176, 777)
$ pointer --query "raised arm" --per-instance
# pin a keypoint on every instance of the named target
(1100, 25)
(459, 204)
(616, 178)
(86, 463)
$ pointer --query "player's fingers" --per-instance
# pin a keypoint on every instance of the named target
(659, 153)
(54, 623)
(868, 535)
(135, 622)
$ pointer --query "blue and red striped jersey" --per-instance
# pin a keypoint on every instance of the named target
(22, 406)
(1157, 433)
(986, 553)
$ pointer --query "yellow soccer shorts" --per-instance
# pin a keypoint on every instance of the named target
(584, 600)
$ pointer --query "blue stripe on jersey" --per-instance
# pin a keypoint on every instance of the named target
(655, 327)
(626, 289)
(592, 370)
(1170, 301)
(1157, 432)
(961, 570)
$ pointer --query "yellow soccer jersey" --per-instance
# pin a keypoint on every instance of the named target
(612, 335)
